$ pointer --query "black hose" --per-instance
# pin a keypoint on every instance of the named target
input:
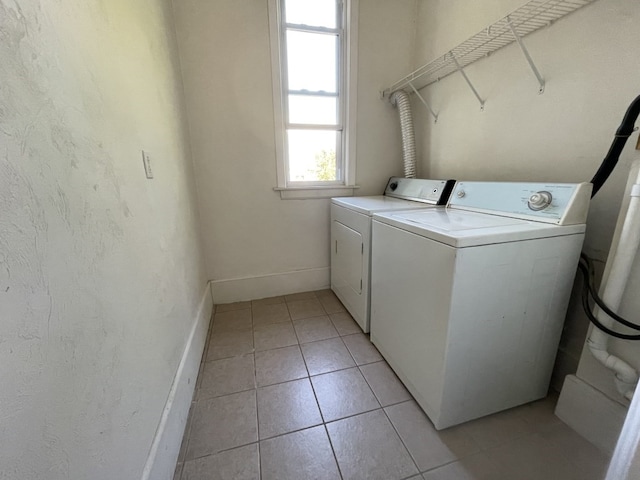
(587, 308)
(622, 134)
(603, 306)
(609, 162)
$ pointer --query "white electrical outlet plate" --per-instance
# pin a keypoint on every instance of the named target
(146, 160)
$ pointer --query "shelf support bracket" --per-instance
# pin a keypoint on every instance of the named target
(426, 104)
(475, 92)
(525, 52)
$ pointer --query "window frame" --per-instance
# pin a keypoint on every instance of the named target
(346, 89)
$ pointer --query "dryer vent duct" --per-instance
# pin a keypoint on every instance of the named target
(400, 99)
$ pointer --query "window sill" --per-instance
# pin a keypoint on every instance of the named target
(302, 193)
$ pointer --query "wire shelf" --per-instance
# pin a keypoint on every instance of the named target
(532, 16)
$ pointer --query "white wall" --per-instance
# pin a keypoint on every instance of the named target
(100, 269)
(255, 243)
(591, 67)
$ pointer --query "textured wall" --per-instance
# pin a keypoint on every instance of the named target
(592, 75)
(100, 269)
(248, 231)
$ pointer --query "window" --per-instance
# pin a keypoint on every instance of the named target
(313, 95)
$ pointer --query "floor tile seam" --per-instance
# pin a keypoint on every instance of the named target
(353, 415)
(333, 371)
(258, 430)
(225, 395)
(310, 318)
(415, 462)
(253, 322)
(345, 334)
(255, 383)
(365, 380)
(307, 318)
(317, 341)
(457, 459)
(333, 451)
(304, 360)
(365, 363)
(373, 391)
(308, 427)
(218, 452)
(368, 410)
(355, 364)
(314, 341)
(313, 389)
(419, 475)
(283, 382)
(232, 356)
(265, 326)
(350, 353)
(259, 453)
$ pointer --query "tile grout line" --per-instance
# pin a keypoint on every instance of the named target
(415, 463)
(333, 450)
(315, 395)
(255, 382)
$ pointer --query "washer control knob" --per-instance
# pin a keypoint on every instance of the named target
(540, 200)
(460, 194)
(393, 186)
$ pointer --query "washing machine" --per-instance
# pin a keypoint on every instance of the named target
(468, 302)
(351, 235)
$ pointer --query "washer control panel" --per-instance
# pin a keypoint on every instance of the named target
(559, 203)
(434, 192)
(540, 200)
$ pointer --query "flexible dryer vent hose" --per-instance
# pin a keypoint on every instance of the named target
(401, 100)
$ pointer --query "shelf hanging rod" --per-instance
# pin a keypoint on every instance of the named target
(527, 56)
(426, 104)
(475, 92)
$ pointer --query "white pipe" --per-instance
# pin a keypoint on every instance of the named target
(626, 377)
(401, 100)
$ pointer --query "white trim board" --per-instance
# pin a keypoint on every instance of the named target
(263, 286)
(165, 448)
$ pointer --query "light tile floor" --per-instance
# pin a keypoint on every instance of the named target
(290, 388)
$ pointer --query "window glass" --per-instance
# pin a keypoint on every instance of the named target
(314, 152)
(311, 61)
(317, 13)
(313, 110)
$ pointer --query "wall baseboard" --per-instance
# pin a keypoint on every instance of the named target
(161, 462)
(253, 288)
(591, 413)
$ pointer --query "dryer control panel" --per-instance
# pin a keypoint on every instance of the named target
(558, 203)
(435, 192)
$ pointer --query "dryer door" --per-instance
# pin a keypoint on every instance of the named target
(347, 259)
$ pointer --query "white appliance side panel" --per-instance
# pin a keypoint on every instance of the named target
(350, 251)
(411, 281)
(509, 303)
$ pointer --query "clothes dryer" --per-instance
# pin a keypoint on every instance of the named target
(351, 235)
(468, 302)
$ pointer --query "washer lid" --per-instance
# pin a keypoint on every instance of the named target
(379, 203)
(460, 228)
